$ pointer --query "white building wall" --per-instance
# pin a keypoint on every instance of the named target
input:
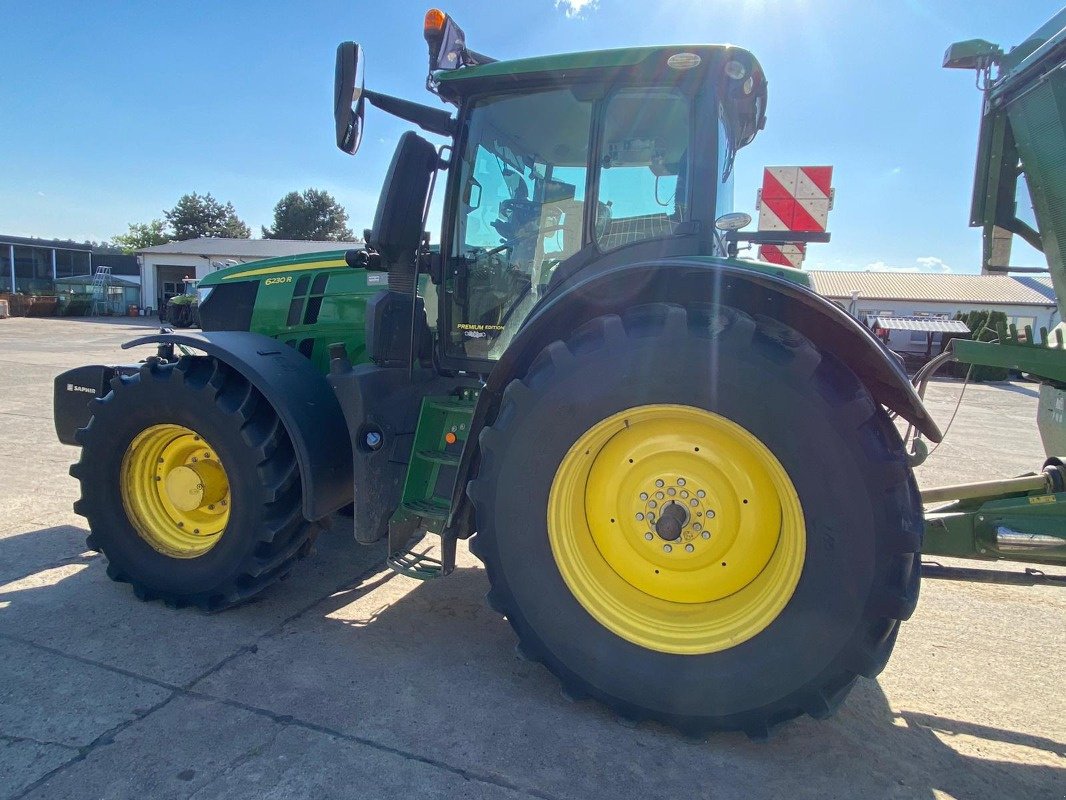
(149, 288)
(1038, 316)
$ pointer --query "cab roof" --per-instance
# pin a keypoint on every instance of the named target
(587, 60)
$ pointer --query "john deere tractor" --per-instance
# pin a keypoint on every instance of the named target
(677, 466)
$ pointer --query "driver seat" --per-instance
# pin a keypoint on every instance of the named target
(565, 213)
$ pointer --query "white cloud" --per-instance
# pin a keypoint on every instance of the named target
(932, 264)
(576, 8)
(923, 264)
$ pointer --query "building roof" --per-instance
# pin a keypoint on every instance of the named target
(925, 324)
(86, 280)
(935, 287)
(58, 244)
(245, 248)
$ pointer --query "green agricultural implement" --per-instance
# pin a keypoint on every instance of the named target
(678, 467)
(1021, 160)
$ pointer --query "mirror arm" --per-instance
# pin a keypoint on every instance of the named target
(434, 120)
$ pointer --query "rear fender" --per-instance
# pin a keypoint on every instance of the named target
(687, 281)
(302, 398)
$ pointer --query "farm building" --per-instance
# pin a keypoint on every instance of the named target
(165, 266)
(868, 296)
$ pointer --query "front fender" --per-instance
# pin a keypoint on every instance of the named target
(303, 400)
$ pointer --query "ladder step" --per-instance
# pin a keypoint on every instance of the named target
(415, 565)
(436, 508)
(449, 405)
(439, 457)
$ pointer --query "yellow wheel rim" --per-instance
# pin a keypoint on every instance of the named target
(676, 529)
(175, 490)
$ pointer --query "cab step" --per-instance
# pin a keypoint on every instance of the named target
(443, 427)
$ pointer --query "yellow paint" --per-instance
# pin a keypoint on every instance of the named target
(738, 558)
(1041, 499)
(175, 490)
(249, 273)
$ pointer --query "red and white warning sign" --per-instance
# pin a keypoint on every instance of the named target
(793, 199)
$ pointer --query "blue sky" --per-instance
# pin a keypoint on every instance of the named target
(113, 110)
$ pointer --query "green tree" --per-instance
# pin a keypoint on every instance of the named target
(984, 327)
(141, 235)
(313, 215)
(197, 215)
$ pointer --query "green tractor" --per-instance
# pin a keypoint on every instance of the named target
(182, 310)
(677, 466)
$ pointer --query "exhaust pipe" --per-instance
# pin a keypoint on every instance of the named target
(1018, 542)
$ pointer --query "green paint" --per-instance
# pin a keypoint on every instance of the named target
(796, 276)
(562, 65)
(336, 314)
(967, 529)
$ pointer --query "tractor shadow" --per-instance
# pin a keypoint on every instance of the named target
(429, 669)
(455, 661)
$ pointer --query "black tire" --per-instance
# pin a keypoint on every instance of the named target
(863, 516)
(266, 531)
(180, 316)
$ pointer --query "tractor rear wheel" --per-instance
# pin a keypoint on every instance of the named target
(190, 485)
(697, 517)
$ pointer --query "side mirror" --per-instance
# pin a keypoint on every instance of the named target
(348, 100)
(733, 221)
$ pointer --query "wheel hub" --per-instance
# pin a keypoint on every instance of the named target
(671, 521)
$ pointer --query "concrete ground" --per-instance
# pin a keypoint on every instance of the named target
(347, 681)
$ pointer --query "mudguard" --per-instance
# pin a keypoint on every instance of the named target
(686, 281)
(303, 399)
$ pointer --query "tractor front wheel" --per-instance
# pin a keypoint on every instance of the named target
(190, 485)
(697, 517)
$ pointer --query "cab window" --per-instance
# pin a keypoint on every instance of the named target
(520, 208)
(643, 166)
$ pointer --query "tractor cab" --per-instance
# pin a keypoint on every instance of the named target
(556, 167)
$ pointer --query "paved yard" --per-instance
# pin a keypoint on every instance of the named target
(347, 681)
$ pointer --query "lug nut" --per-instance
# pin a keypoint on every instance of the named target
(671, 491)
(660, 483)
(689, 548)
(643, 495)
(653, 504)
(640, 515)
(659, 495)
(649, 536)
(701, 493)
(680, 481)
(693, 502)
(696, 526)
(710, 514)
(684, 493)
(706, 534)
(667, 548)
